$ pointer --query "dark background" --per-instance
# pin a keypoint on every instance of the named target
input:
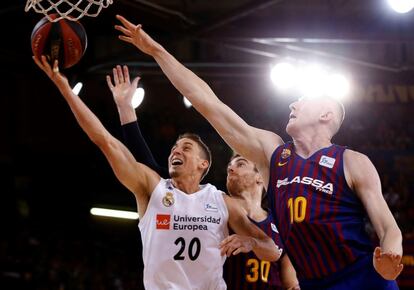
(51, 174)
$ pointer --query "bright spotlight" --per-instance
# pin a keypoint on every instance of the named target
(138, 97)
(114, 213)
(283, 75)
(312, 81)
(337, 86)
(401, 6)
(76, 89)
(187, 103)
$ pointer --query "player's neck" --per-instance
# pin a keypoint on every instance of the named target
(306, 145)
(252, 203)
(187, 184)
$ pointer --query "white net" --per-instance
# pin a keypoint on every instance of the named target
(69, 9)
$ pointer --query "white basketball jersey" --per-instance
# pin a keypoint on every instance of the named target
(180, 235)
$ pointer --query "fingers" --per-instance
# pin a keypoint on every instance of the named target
(120, 74)
(109, 82)
(126, 74)
(377, 253)
(55, 66)
(115, 74)
(135, 82)
(126, 39)
(125, 31)
(125, 22)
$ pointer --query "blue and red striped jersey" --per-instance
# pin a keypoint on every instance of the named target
(320, 219)
(246, 272)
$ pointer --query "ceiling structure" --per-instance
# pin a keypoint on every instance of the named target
(363, 36)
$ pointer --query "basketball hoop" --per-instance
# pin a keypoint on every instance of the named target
(69, 9)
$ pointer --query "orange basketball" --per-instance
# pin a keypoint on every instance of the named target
(64, 40)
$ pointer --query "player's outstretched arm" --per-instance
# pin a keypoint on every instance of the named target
(248, 236)
(135, 176)
(122, 91)
(256, 145)
(363, 178)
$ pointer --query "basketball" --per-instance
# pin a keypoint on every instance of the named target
(64, 40)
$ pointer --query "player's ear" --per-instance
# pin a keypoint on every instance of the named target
(326, 116)
(204, 164)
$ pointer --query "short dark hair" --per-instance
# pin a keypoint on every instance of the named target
(206, 153)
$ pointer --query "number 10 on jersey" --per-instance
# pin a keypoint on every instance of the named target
(297, 209)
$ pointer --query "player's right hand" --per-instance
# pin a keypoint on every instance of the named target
(135, 35)
(388, 265)
(236, 244)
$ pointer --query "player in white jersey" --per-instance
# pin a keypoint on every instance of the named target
(188, 162)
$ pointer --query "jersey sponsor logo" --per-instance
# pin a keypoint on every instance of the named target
(168, 199)
(210, 207)
(185, 223)
(163, 221)
(316, 183)
(274, 228)
(327, 161)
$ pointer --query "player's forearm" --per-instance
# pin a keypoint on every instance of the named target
(126, 113)
(85, 117)
(185, 81)
(266, 249)
(391, 240)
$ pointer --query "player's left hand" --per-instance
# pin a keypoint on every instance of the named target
(388, 265)
(236, 244)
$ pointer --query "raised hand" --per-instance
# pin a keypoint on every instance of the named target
(388, 265)
(135, 35)
(122, 89)
(53, 73)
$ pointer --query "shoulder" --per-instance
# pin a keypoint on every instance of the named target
(354, 158)
(357, 168)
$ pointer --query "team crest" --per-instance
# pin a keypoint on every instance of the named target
(168, 199)
(285, 153)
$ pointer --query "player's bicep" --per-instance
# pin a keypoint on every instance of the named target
(364, 180)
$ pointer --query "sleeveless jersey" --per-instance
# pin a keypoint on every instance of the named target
(181, 234)
(246, 272)
(320, 219)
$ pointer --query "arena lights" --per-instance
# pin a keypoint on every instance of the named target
(283, 75)
(77, 88)
(114, 213)
(138, 97)
(401, 6)
(187, 103)
(311, 80)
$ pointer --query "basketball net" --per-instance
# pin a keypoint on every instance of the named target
(69, 9)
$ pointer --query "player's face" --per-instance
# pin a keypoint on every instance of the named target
(241, 175)
(304, 114)
(185, 158)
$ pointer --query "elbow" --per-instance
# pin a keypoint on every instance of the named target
(101, 140)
